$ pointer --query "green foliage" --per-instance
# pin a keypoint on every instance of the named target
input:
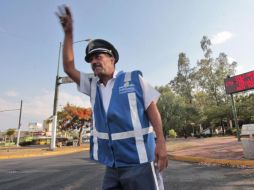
(231, 131)
(10, 132)
(214, 113)
(171, 109)
(175, 112)
(182, 83)
(196, 97)
(7, 144)
(26, 139)
(211, 72)
(245, 107)
(172, 133)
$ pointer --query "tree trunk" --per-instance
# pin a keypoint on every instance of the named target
(80, 136)
(222, 126)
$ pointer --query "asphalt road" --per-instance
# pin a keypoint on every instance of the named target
(75, 171)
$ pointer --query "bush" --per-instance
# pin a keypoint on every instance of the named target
(69, 143)
(231, 131)
(172, 133)
(25, 143)
(8, 144)
(234, 131)
(26, 139)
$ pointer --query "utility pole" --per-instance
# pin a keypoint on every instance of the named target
(19, 125)
(57, 84)
(54, 124)
(235, 118)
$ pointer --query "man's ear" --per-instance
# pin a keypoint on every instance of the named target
(113, 59)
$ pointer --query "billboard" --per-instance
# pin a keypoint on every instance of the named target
(239, 83)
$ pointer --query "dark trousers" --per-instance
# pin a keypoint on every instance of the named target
(141, 177)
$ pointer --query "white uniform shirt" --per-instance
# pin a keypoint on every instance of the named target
(149, 93)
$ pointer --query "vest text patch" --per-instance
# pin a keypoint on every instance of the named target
(126, 88)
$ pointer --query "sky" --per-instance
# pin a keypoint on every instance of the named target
(148, 34)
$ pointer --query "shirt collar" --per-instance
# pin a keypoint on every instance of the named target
(116, 73)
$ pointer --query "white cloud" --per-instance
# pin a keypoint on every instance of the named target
(38, 105)
(78, 100)
(221, 37)
(43, 105)
(11, 93)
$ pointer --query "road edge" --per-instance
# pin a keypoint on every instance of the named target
(41, 154)
(221, 162)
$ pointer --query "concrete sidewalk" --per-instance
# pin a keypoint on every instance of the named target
(225, 151)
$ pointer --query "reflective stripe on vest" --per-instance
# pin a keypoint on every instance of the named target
(122, 135)
(95, 140)
(137, 128)
(110, 131)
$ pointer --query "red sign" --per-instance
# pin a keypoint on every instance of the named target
(239, 83)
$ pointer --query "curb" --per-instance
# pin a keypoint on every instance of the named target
(41, 154)
(221, 162)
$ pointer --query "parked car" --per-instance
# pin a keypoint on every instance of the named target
(206, 133)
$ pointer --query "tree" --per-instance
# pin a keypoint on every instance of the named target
(182, 83)
(245, 107)
(171, 108)
(210, 74)
(74, 117)
(10, 133)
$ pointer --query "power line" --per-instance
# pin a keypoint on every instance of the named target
(9, 110)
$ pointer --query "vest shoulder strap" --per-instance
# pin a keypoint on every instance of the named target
(128, 75)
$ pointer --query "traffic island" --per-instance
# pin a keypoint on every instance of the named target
(37, 152)
(248, 148)
(210, 161)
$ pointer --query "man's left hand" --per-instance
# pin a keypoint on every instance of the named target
(161, 157)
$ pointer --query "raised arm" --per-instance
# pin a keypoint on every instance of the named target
(64, 15)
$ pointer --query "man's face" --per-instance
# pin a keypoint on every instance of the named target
(102, 64)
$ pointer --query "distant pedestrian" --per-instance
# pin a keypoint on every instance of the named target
(125, 116)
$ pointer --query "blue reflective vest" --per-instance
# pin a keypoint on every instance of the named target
(123, 136)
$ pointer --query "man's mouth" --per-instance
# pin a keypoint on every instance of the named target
(97, 66)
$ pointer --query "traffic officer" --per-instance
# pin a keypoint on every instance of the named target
(126, 135)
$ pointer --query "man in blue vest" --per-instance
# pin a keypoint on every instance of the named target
(126, 135)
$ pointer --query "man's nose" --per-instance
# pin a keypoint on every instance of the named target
(94, 60)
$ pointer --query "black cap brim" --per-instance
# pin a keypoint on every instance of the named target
(100, 46)
(89, 55)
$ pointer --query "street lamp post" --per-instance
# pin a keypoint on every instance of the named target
(57, 84)
(19, 125)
